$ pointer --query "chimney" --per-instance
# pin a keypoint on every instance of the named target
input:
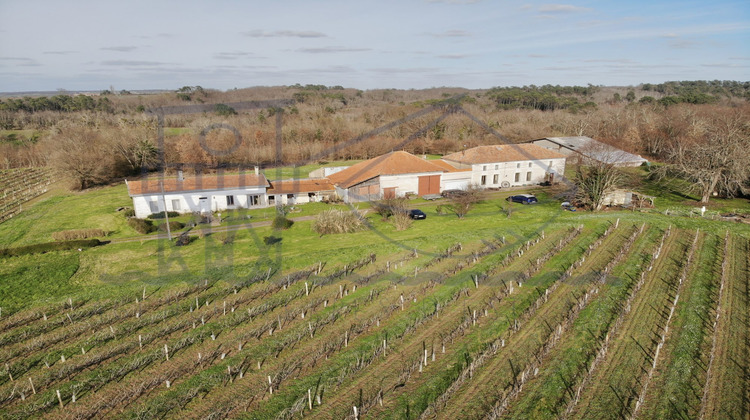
(257, 170)
(180, 177)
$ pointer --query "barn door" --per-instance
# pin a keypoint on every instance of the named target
(389, 193)
(429, 184)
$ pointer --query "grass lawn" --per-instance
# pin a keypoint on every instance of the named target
(117, 268)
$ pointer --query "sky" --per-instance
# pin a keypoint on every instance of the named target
(48, 45)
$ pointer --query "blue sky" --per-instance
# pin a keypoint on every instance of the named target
(92, 45)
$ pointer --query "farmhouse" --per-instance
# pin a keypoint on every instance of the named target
(394, 174)
(197, 194)
(509, 165)
(588, 148)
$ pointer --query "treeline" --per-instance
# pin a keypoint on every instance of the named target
(60, 103)
(688, 89)
(544, 98)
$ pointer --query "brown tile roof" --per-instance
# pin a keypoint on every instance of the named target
(152, 183)
(393, 163)
(503, 153)
(448, 167)
(290, 186)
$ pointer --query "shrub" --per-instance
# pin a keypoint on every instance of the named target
(281, 222)
(337, 221)
(271, 240)
(142, 226)
(161, 215)
(70, 235)
(402, 221)
(173, 226)
(50, 246)
(129, 213)
(390, 206)
(183, 239)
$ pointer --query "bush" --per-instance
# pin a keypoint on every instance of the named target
(390, 206)
(142, 226)
(337, 221)
(402, 221)
(129, 213)
(271, 240)
(173, 226)
(281, 222)
(49, 246)
(161, 215)
(71, 235)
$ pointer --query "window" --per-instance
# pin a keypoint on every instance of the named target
(484, 168)
(271, 200)
(497, 167)
(230, 200)
(518, 165)
(153, 206)
(484, 180)
(528, 176)
(494, 178)
(176, 205)
(253, 200)
(529, 164)
(518, 176)
(550, 165)
(290, 196)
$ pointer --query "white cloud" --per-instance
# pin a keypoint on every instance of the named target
(123, 48)
(326, 50)
(284, 34)
(562, 8)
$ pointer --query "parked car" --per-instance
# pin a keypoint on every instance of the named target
(523, 199)
(416, 214)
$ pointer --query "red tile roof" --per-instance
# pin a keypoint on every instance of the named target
(503, 153)
(152, 184)
(448, 167)
(393, 163)
(291, 186)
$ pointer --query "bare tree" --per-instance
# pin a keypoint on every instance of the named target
(595, 181)
(462, 203)
(81, 154)
(716, 159)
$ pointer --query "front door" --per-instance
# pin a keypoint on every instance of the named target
(204, 205)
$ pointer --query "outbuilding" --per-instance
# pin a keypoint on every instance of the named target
(391, 175)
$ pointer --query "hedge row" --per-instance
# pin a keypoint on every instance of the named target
(50, 246)
(75, 234)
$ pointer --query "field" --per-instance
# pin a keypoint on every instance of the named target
(541, 314)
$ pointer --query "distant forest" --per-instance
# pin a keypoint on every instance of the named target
(102, 137)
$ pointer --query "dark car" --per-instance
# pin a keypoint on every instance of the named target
(416, 214)
(523, 199)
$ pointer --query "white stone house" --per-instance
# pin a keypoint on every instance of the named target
(197, 194)
(509, 165)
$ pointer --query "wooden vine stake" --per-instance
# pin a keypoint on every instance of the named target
(59, 398)
(32, 386)
(309, 399)
(166, 352)
(10, 375)
(307, 291)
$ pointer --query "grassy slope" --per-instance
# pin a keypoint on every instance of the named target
(157, 262)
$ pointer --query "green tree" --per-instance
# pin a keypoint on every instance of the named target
(224, 110)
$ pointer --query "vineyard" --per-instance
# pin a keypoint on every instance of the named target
(18, 186)
(609, 319)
